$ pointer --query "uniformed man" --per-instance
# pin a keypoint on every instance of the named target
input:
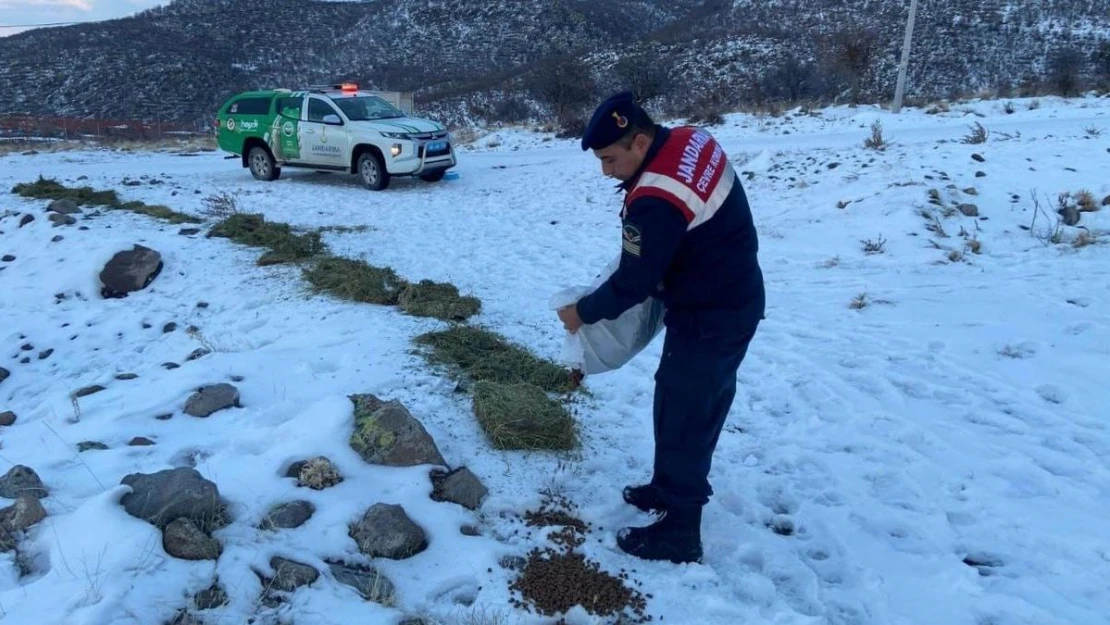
(687, 239)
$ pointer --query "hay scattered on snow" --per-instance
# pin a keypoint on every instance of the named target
(522, 416)
(483, 355)
(355, 280)
(439, 300)
(50, 189)
(158, 211)
(284, 245)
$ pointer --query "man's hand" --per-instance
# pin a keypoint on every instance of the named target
(569, 316)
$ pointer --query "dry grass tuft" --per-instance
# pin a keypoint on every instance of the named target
(1085, 201)
(875, 246)
(1084, 238)
(977, 135)
(876, 140)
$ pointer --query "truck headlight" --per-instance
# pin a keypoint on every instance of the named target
(395, 150)
(396, 135)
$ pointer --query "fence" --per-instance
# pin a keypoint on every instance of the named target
(32, 128)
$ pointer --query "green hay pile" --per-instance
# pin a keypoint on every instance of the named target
(523, 417)
(284, 245)
(483, 355)
(158, 211)
(439, 300)
(355, 280)
(50, 189)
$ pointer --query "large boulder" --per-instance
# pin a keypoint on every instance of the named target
(163, 497)
(130, 271)
(387, 434)
(21, 480)
(211, 399)
(386, 531)
(4, 373)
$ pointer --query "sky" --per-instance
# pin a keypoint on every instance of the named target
(14, 14)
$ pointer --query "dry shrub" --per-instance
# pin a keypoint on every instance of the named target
(220, 205)
(876, 140)
(873, 246)
(1085, 201)
(977, 135)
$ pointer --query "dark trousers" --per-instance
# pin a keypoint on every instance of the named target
(694, 388)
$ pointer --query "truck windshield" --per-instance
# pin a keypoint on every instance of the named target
(366, 108)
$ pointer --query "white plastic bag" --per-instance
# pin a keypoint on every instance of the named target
(608, 344)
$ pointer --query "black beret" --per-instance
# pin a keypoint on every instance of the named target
(611, 120)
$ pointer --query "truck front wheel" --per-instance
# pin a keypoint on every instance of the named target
(372, 171)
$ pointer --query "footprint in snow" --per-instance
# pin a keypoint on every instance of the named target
(460, 591)
(773, 494)
(986, 563)
(1052, 393)
(898, 535)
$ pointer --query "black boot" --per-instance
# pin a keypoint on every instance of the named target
(645, 497)
(675, 537)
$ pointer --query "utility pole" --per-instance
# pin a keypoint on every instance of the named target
(900, 90)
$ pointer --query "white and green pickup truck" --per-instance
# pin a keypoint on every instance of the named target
(332, 128)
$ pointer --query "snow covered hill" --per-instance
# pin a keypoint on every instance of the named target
(921, 434)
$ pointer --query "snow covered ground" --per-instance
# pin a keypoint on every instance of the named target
(940, 449)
